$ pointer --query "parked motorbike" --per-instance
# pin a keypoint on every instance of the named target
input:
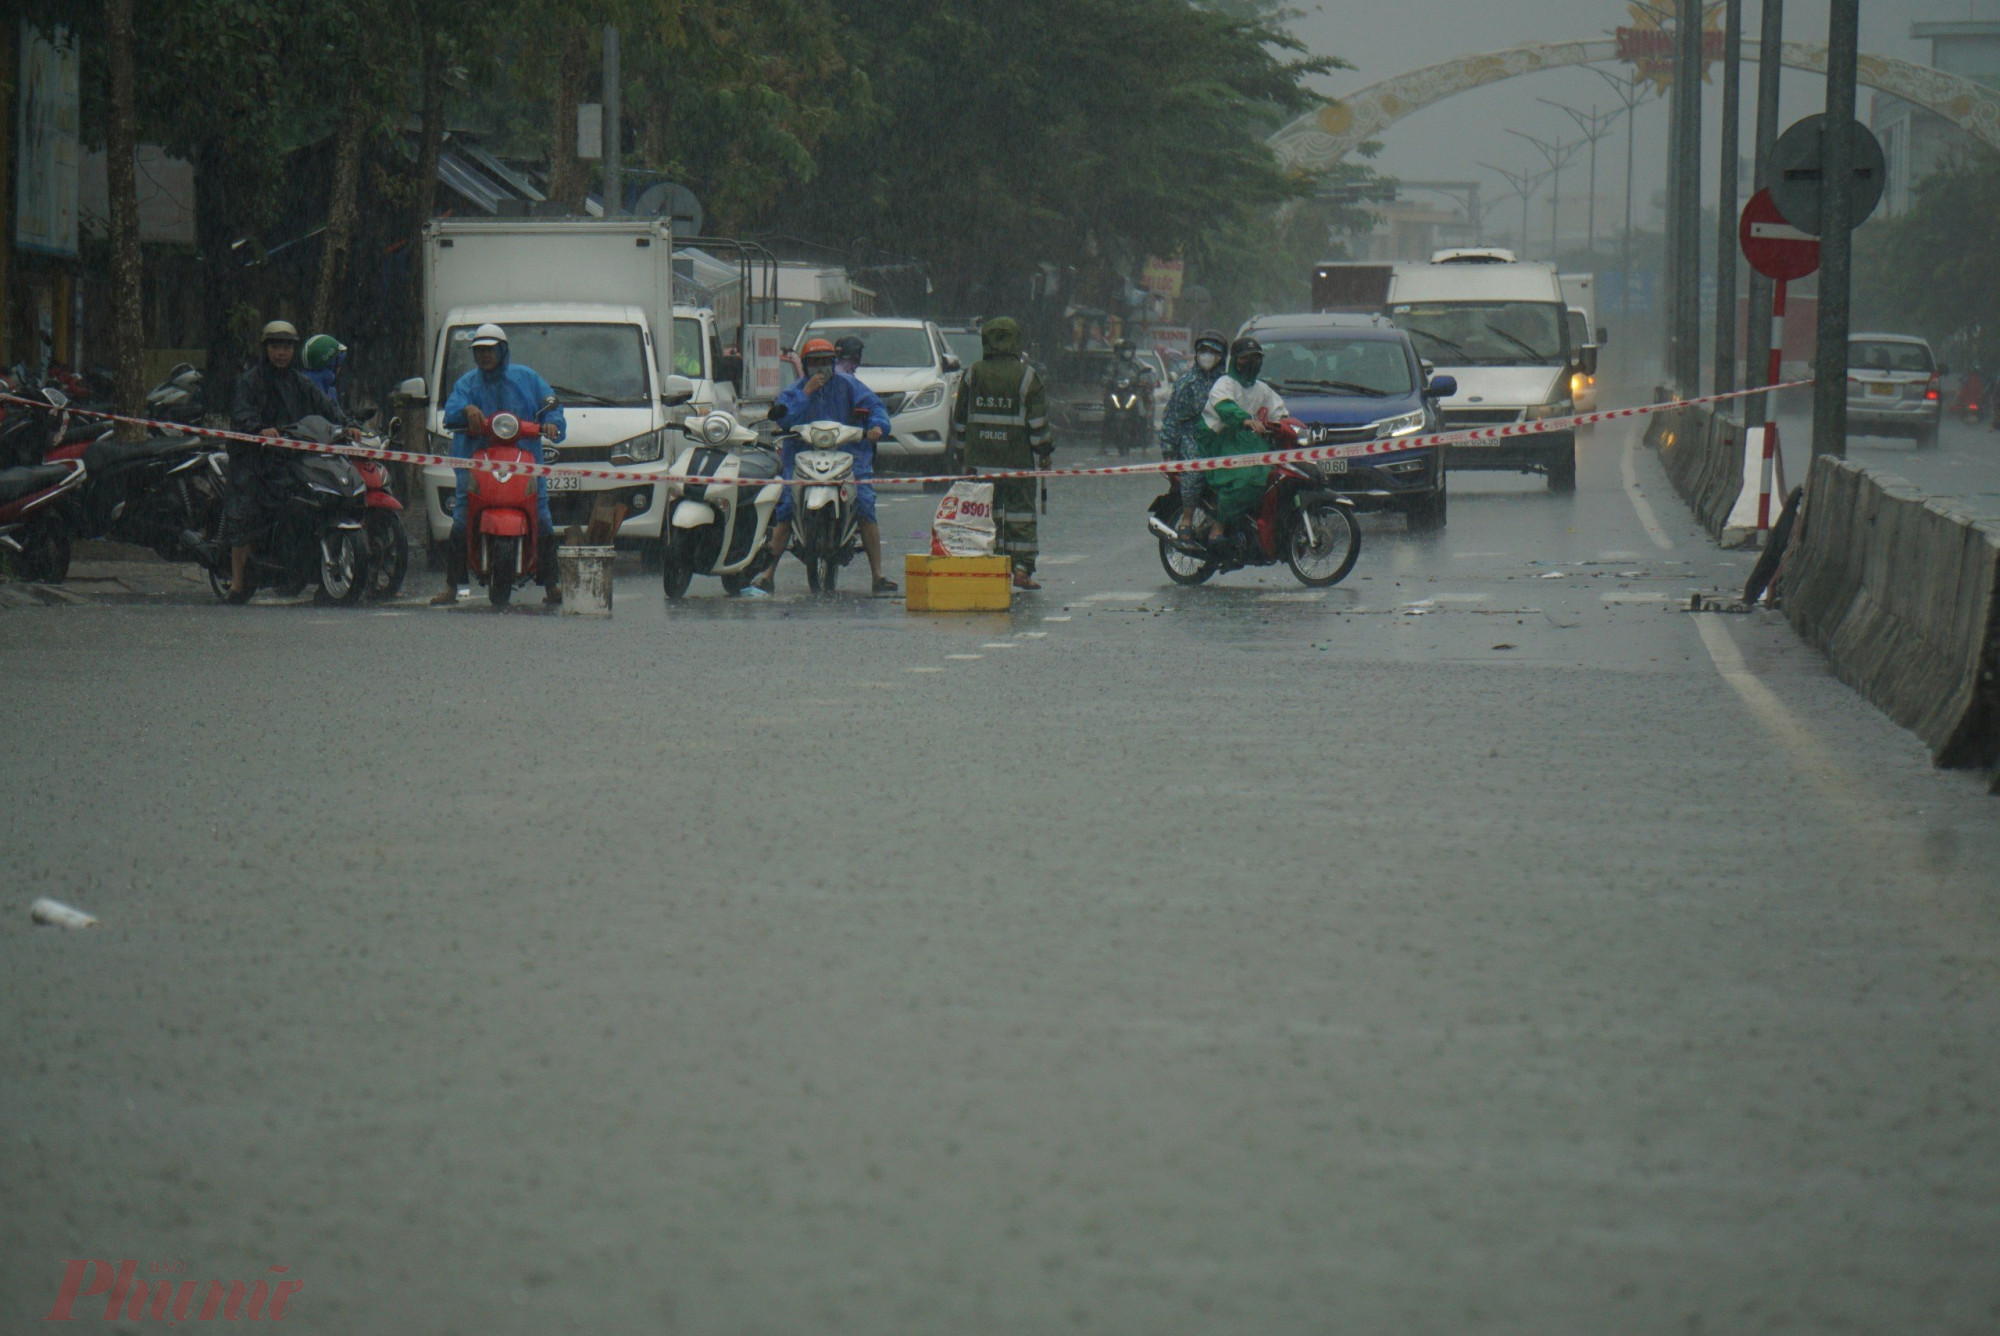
(318, 536)
(1299, 520)
(826, 518)
(502, 536)
(164, 493)
(388, 541)
(177, 398)
(32, 530)
(29, 431)
(1128, 413)
(719, 526)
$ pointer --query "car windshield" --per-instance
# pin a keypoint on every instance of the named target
(1881, 355)
(964, 345)
(1338, 365)
(884, 345)
(585, 364)
(1484, 333)
(687, 348)
(1081, 368)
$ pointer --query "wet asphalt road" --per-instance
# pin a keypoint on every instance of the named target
(1484, 945)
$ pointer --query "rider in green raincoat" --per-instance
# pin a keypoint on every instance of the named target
(1239, 412)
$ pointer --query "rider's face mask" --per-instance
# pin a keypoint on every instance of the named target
(819, 366)
(1206, 360)
(1248, 367)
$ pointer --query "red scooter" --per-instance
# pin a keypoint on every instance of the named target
(32, 530)
(382, 527)
(502, 545)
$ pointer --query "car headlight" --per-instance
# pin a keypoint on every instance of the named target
(1559, 408)
(928, 397)
(1578, 383)
(648, 447)
(1404, 424)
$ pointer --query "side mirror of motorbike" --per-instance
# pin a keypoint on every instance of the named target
(677, 390)
(1441, 387)
(56, 398)
(413, 391)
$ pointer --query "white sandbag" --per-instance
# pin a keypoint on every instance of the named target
(964, 524)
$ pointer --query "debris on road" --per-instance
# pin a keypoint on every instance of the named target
(57, 914)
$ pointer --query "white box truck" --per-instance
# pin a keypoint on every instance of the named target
(1500, 328)
(589, 305)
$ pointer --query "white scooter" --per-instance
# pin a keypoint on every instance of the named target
(825, 515)
(720, 527)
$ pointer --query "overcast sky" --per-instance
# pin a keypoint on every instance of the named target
(1449, 139)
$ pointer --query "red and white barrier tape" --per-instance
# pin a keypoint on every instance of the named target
(1389, 445)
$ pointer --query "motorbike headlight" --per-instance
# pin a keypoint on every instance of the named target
(715, 428)
(928, 397)
(1405, 424)
(825, 438)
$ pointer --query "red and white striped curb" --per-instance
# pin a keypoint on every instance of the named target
(1302, 455)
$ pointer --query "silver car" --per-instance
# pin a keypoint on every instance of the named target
(1892, 387)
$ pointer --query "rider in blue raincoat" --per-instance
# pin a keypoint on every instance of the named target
(496, 385)
(824, 394)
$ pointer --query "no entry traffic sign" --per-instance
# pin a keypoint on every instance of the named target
(1773, 246)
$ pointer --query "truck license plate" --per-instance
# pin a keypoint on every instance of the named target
(561, 483)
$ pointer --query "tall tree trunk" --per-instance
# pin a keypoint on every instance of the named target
(121, 147)
(569, 180)
(343, 207)
(430, 147)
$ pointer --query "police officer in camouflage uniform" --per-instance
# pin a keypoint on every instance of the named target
(1002, 415)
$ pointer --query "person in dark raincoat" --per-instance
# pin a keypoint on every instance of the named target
(1002, 415)
(1180, 426)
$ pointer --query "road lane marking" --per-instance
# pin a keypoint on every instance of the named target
(964, 658)
(1647, 519)
(1033, 635)
(924, 668)
(1068, 559)
(1296, 596)
(1056, 619)
(1635, 596)
(999, 644)
(1118, 596)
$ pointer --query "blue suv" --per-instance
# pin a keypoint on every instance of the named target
(1356, 378)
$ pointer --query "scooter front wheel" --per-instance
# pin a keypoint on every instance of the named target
(677, 565)
(1321, 543)
(503, 565)
(343, 567)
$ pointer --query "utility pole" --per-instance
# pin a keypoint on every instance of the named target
(1757, 336)
(1836, 231)
(1593, 125)
(1686, 170)
(1557, 154)
(614, 176)
(1631, 91)
(1524, 185)
(1725, 200)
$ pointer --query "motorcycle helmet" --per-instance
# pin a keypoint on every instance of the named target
(280, 331)
(1246, 358)
(321, 352)
(816, 356)
(488, 336)
(1126, 348)
(849, 349)
(1210, 349)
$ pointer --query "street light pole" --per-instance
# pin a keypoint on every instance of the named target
(1631, 91)
(1725, 201)
(1593, 125)
(1836, 231)
(1770, 41)
(1556, 154)
(1687, 177)
(1524, 185)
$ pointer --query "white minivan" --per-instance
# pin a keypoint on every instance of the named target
(1500, 328)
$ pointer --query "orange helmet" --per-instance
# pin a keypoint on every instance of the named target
(816, 348)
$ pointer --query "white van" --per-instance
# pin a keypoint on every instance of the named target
(1500, 328)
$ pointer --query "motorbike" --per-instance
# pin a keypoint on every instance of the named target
(1299, 520)
(825, 515)
(719, 526)
(177, 398)
(1968, 401)
(163, 493)
(388, 542)
(317, 537)
(32, 530)
(29, 431)
(502, 536)
(1128, 413)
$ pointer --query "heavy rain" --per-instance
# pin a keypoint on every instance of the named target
(1214, 666)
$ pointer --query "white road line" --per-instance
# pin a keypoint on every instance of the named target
(1773, 713)
(1033, 635)
(1296, 596)
(924, 668)
(999, 644)
(1635, 596)
(1062, 618)
(1118, 596)
(1647, 519)
(1069, 559)
(964, 658)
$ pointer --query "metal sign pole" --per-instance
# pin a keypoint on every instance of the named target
(1836, 231)
(1725, 209)
(1771, 38)
(1773, 368)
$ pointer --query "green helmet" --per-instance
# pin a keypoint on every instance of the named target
(320, 350)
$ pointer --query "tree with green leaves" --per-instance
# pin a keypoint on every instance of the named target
(1935, 270)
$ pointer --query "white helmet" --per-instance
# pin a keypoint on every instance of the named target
(487, 335)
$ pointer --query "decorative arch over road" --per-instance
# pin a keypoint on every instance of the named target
(1319, 139)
